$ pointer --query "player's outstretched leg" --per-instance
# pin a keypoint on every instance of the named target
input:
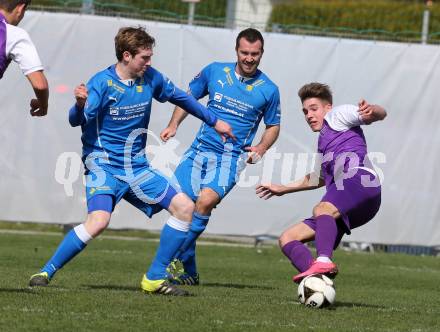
(73, 243)
(298, 254)
(292, 244)
(326, 235)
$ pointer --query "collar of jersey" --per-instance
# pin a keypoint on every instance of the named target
(112, 71)
(248, 82)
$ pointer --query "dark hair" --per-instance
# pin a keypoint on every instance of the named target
(131, 40)
(9, 5)
(316, 90)
(251, 35)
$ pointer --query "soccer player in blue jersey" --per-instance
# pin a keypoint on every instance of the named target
(114, 112)
(16, 45)
(242, 95)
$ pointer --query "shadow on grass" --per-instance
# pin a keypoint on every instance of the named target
(237, 286)
(215, 284)
(114, 287)
(356, 305)
(17, 290)
(124, 289)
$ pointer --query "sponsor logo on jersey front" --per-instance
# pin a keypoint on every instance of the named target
(128, 112)
(218, 97)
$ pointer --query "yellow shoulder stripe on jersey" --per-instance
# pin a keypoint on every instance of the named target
(257, 83)
(229, 79)
(118, 88)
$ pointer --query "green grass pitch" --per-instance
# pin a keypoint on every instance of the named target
(241, 290)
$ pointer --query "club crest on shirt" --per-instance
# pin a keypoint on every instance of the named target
(218, 97)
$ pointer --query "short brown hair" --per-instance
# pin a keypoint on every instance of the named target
(251, 35)
(9, 5)
(316, 90)
(131, 40)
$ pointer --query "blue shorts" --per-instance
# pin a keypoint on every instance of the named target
(147, 189)
(198, 170)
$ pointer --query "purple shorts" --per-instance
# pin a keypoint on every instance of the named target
(356, 203)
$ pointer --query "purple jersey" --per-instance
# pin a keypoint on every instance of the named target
(4, 62)
(341, 142)
(17, 46)
(344, 167)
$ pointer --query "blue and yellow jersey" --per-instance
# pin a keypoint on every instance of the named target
(241, 104)
(116, 115)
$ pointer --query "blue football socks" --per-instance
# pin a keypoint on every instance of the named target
(187, 252)
(171, 238)
(73, 243)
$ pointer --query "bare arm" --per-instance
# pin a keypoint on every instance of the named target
(371, 113)
(41, 88)
(309, 182)
(177, 118)
(189, 103)
(268, 138)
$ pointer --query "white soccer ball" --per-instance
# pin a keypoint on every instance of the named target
(316, 291)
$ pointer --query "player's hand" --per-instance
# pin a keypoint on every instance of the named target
(255, 154)
(81, 95)
(167, 133)
(365, 111)
(224, 130)
(266, 191)
(36, 108)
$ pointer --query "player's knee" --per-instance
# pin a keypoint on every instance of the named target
(324, 208)
(288, 236)
(182, 207)
(97, 222)
(206, 203)
(282, 241)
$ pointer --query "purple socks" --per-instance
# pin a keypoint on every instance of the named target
(298, 254)
(326, 234)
